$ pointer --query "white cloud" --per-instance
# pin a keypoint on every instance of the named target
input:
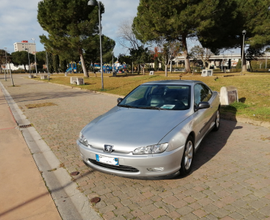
(18, 21)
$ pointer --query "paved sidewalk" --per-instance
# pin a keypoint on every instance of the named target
(230, 179)
(23, 194)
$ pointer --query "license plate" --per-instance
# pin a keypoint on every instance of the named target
(107, 160)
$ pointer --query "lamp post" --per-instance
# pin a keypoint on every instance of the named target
(47, 62)
(28, 60)
(9, 69)
(265, 49)
(6, 64)
(231, 60)
(243, 50)
(94, 3)
(33, 39)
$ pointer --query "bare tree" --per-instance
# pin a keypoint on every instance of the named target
(138, 51)
(202, 54)
(127, 38)
(168, 51)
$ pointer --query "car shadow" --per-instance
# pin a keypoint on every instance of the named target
(214, 141)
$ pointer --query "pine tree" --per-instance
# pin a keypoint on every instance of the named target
(177, 20)
(71, 25)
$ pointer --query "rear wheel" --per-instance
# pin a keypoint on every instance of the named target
(217, 121)
(187, 159)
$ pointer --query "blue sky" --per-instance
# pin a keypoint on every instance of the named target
(18, 21)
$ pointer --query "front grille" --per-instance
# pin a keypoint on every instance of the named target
(120, 167)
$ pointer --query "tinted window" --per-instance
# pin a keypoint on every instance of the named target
(171, 97)
(202, 93)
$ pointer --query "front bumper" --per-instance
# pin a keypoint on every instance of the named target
(135, 166)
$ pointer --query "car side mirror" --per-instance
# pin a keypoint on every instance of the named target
(119, 100)
(202, 105)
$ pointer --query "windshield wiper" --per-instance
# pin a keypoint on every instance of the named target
(127, 106)
(151, 107)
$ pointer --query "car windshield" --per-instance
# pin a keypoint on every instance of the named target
(162, 97)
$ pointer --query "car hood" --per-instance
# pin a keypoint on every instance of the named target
(129, 127)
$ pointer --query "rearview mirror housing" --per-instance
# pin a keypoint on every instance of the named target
(202, 105)
(119, 100)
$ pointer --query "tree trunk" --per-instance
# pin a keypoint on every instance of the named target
(166, 69)
(185, 53)
(244, 67)
(85, 72)
(204, 64)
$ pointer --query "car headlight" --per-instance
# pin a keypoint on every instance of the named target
(83, 140)
(151, 149)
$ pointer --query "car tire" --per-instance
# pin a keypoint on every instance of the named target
(188, 156)
(217, 121)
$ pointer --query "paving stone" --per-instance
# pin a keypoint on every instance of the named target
(158, 213)
(200, 213)
(149, 208)
(230, 177)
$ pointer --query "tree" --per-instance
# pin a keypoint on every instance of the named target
(138, 50)
(127, 37)
(63, 65)
(168, 51)
(252, 54)
(176, 20)
(107, 49)
(72, 26)
(155, 55)
(252, 16)
(4, 58)
(21, 58)
(92, 53)
(256, 19)
(123, 58)
(41, 59)
(55, 63)
(225, 29)
(140, 56)
(50, 62)
(203, 54)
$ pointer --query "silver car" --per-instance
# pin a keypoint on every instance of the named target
(153, 132)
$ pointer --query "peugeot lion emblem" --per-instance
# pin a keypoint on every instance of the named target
(108, 148)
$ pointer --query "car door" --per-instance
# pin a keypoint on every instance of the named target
(202, 116)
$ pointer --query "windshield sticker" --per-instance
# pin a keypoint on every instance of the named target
(167, 106)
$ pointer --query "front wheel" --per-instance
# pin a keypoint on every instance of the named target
(187, 159)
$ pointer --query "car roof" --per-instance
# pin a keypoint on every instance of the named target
(173, 82)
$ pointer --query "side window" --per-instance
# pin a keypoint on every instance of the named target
(202, 93)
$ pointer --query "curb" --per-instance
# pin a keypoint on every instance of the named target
(70, 202)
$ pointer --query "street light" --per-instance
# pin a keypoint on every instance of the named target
(243, 50)
(94, 3)
(6, 64)
(33, 39)
(9, 69)
(265, 48)
(28, 60)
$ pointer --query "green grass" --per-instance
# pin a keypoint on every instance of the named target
(253, 88)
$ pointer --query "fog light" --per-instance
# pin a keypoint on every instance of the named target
(155, 169)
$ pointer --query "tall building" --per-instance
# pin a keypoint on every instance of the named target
(25, 46)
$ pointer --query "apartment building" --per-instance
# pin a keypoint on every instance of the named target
(25, 46)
